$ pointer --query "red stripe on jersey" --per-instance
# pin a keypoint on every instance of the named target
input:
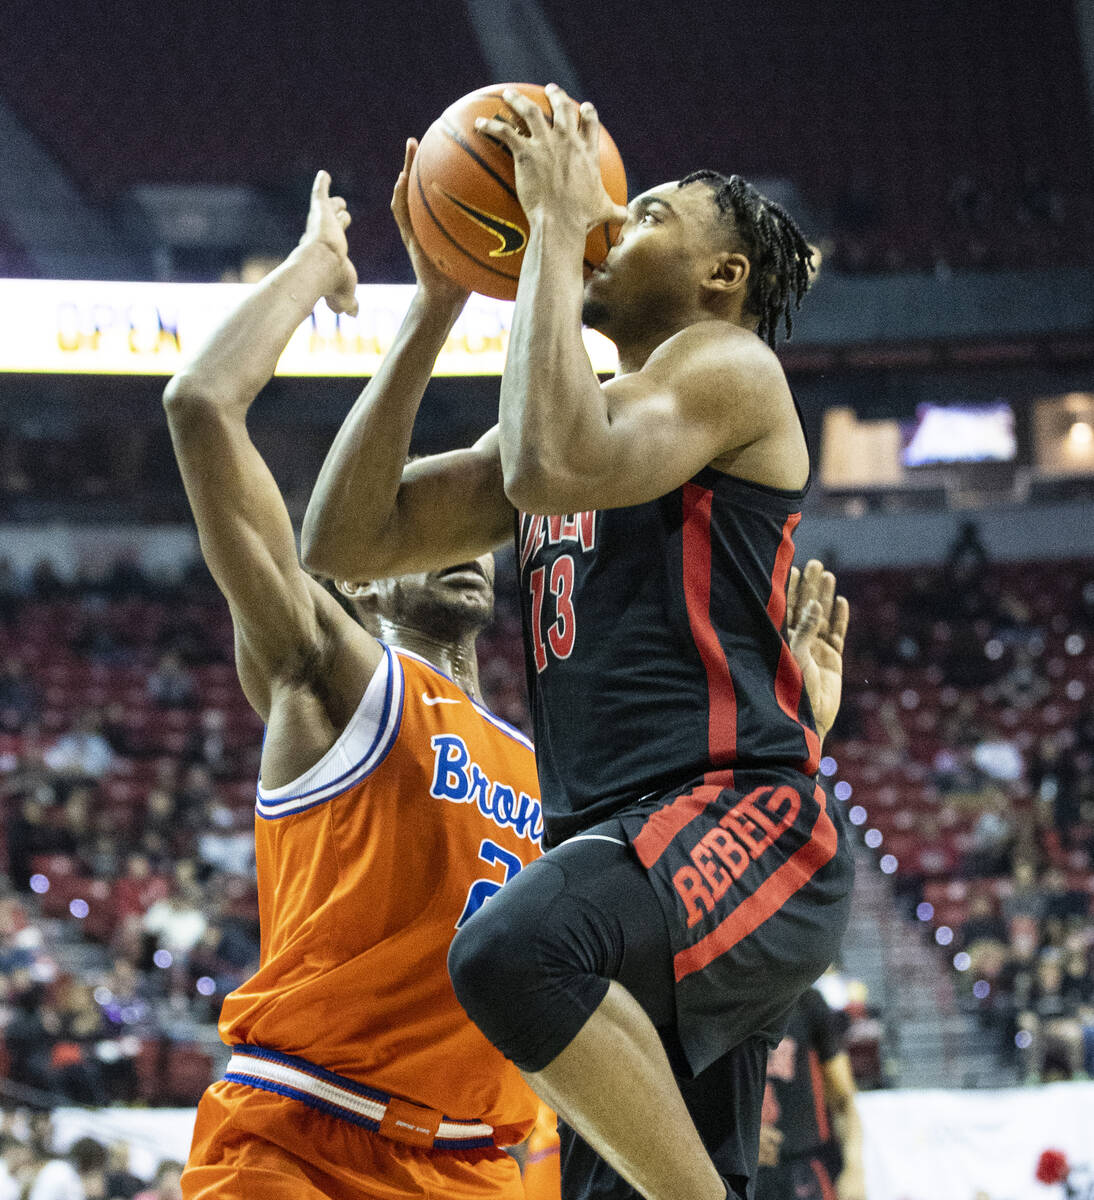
(654, 837)
(767, 899)
(788, 675)
(820, 1109)
(828, 1192)
(784, 556)
(722, 699)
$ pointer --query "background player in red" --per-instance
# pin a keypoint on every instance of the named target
(391, 806)
(812, 1134)
(696, 882)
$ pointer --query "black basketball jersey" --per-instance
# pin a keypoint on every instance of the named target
(795, 1103)
(655, 649)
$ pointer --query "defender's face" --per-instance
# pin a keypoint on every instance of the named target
(443, 604)
(660, 259)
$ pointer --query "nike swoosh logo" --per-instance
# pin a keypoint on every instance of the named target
(437, 699)
(512, 237)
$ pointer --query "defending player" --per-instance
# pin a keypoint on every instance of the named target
(811, 1129)
(697, 883)
(391, 804)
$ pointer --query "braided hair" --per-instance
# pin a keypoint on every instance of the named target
(781, 258)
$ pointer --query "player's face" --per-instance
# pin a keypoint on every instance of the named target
(657, 267)
(445, 604)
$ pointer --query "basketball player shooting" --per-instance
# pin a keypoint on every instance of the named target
(354, 1071)
(391, 805)
(697, 883)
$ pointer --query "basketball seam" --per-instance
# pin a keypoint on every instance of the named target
(455, 135)
(465, 253)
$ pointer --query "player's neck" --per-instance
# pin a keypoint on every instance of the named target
(635, 346)
(456, 659)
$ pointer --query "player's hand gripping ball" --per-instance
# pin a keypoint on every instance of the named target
(463, 201)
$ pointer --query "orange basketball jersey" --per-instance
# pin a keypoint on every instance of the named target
(367, 865)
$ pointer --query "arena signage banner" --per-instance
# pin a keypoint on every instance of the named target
(109, 328)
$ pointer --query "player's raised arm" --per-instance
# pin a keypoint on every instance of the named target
(286, 625)
(370, 516)
(696, 385)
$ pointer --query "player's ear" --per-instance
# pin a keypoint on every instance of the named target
(728, 273)
(365, 593)
(364, 596)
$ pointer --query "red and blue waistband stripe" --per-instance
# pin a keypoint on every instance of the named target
(369, 1097)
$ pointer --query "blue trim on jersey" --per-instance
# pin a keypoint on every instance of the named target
(310, 1068)
(291, 1093)
(328, 1107)
(357, 765)
(481, 709)
(510, 731)
(352, 783)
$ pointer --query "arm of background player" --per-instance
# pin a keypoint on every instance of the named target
(369, 516)
(839, 1092)
(283, 619)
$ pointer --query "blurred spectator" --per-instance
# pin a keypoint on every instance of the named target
(1052, 1021)
(1055, 783)
(177, 923)
(999, 758)
(138, 889)
(29, 1037)
(32, 830)
(17, 1164)
(121, 1183)
(208, 744)
(991, 838)
(170, 685)
(12, 591)
(77, 1067)
(83, 752)
(1023, 686)
(167, 1184)
(81, 1175)
(982, 924)
(19, 696)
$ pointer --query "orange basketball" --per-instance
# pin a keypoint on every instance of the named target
(463, 202)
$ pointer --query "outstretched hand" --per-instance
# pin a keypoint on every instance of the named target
(328, 220)
(432, 281)
(816, 621)
(556, 158)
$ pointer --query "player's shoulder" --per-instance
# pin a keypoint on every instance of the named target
(440, 699)
(720, 359)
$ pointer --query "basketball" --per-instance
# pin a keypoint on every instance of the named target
(463, 200)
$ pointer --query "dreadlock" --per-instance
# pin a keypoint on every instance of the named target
(781, 258)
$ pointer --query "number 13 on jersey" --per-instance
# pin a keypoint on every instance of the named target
(560, 627)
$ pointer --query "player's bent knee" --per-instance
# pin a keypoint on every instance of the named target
(519, 974)
(492, 960)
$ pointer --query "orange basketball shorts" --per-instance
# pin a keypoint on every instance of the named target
(250, 1143)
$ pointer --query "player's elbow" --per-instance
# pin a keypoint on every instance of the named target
(318, 551)
(326, 550)
(531, 484)
(537, 487)
(187, 397)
